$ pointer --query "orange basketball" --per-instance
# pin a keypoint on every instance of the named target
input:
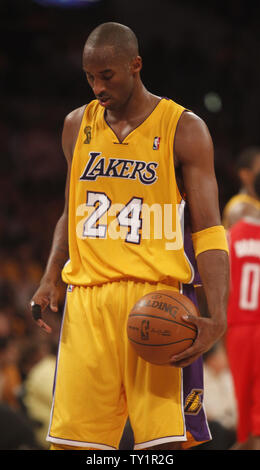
(155, 327)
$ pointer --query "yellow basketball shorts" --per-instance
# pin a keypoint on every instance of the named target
(100, 380)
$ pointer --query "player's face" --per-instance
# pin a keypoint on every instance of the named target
(111, 77)
(252, 172)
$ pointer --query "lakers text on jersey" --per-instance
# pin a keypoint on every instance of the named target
(125, 209)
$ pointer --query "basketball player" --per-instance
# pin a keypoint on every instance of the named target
(246, 200)
(122, 150)
(243, 334)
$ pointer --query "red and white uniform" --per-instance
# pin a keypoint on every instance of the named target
(243, 335)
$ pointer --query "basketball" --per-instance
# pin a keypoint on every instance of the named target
(155, 327)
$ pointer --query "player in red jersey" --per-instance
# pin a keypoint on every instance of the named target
(243, 334)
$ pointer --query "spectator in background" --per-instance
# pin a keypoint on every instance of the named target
(24, 354)
(37, 397)
(10, 377)
(16, 431)
(246, 200)
(243, 334)
(219, 398)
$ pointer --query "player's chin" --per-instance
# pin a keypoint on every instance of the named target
(109, 104)
(114, 104)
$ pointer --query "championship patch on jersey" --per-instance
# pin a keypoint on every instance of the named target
(156, 143)
(87, 132)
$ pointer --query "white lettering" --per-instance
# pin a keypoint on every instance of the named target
(247, 247)
(96, 460)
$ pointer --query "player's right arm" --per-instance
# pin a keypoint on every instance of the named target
(47, 295)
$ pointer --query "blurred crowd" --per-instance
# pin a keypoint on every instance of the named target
(40, 72)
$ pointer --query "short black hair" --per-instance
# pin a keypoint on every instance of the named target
(121, 37)
(247, 157)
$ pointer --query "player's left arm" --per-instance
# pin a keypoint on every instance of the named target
(194, 154)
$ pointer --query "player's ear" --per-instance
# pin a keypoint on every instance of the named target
(136, 64)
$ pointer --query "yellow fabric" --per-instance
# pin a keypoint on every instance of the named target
(111, 177)
(212, 238)
(63, 447)
(101, 380)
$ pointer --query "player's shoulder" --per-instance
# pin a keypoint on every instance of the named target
(71, 127)
(247, 225)
(238, 207)
(193, 141)
(237, 226)
(191, 123)
(72, 124)
(74, 116)
(238, 210)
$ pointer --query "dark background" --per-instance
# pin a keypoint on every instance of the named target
(189, 49)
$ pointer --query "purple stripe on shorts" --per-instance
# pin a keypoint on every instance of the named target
(193, 387)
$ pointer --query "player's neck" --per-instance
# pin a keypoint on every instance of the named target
(140, 104)
(249, 192)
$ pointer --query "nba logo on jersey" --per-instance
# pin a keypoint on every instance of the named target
(156, 143)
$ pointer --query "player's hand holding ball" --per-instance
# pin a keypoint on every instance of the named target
(157, 328)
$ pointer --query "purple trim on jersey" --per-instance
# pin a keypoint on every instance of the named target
(188, 247)
(193, 386)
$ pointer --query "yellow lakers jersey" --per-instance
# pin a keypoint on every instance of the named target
(125, 210)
